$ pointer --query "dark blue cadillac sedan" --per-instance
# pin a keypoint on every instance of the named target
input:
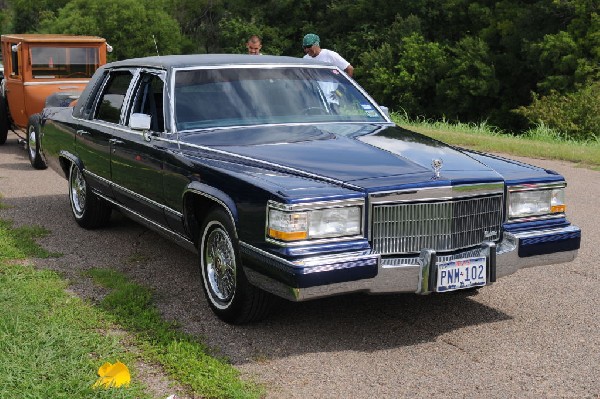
(287, 179)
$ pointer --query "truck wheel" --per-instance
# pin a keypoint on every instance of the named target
(231, 297)
(3, 119)
(34, 143)
(88, 209)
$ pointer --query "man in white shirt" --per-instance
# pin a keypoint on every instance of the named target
(312, 49)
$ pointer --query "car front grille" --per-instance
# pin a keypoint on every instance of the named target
(448, 225)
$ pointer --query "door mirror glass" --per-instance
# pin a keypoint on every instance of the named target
(140, 122)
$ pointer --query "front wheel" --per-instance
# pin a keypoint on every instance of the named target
(88, 209)
(34, 143)
(231, 297)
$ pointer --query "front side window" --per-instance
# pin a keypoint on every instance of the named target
(149, 100)
(64, 62)
(206, 98)
(110, 104)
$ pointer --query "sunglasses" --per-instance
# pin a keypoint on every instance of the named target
(305, 47)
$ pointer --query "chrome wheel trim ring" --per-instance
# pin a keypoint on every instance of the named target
(31, 141)
(219, 265)
(77, 191)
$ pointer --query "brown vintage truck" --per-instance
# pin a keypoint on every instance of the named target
(40, 70)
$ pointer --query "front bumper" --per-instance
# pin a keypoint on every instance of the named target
(323, 276)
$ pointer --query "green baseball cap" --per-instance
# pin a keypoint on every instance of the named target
(310, 39)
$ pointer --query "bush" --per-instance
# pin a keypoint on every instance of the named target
(576, 115)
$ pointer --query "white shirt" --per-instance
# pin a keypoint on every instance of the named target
(330, 57)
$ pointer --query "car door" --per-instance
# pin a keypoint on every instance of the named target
(94, 136)
(137, 156)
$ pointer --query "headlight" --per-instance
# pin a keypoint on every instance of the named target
(289, 225)
(534, 201)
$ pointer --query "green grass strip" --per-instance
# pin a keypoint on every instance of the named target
(183, 356)
(19, 243)
(50, 346)
(487, 139)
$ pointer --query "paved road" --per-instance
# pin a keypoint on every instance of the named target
(534, 334)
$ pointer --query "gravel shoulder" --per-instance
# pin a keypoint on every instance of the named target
(533, 334)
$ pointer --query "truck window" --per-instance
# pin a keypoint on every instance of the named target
(14, 60)
(64, 62)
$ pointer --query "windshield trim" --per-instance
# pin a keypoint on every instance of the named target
(206, 129)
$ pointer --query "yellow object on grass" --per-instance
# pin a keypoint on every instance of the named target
(113, 375)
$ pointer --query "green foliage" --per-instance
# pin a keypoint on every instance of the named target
(456, 59)
(130, 26)
(405, 74)
(27, 14)
(468, 87)
(576, 115)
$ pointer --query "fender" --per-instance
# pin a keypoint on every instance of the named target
(72, 158)
(216, 195)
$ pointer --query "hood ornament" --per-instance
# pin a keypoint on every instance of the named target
(437, 167)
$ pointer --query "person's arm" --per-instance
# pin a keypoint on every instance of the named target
(349, 70)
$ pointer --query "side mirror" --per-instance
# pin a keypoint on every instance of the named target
(140, 122)
(385, 110)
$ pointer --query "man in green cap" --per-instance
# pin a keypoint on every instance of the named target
(312, 49)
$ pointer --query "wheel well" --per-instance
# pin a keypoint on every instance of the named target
(195, 207)
(65, 165)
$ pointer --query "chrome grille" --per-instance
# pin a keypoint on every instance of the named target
(403, 228)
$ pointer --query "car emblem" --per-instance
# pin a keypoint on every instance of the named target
(437, 167)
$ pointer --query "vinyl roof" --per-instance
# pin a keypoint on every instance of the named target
(183, 61)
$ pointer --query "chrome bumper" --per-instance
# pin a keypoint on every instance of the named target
(413, 274)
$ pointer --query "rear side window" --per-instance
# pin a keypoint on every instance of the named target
(112, 100)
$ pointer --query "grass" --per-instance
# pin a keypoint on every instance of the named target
(52, 343)
(540, 142)
(183, 356)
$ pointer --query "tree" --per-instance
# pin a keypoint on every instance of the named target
(129, 26)
(469, 86)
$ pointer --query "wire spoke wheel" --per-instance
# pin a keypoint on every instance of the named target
(229, 294)
(220, 264)
(77, 191)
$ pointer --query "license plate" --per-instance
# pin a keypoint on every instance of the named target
(459, 274)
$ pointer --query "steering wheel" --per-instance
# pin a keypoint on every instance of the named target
(313, 111)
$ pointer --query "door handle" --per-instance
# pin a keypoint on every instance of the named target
(82, 132)
(115, 141)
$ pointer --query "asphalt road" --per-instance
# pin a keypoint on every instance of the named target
(535, 334)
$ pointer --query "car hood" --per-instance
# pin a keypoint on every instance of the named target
(368, 156)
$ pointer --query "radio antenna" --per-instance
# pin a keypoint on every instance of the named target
(155, 45)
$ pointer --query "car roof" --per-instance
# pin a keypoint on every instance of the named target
(51, 38)
(192, 60)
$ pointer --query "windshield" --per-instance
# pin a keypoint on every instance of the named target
(206, 98)
(64, 62)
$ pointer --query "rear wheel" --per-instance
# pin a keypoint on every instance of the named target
(34, 143)
(231, 297)
(88, 209)
(3, 119)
